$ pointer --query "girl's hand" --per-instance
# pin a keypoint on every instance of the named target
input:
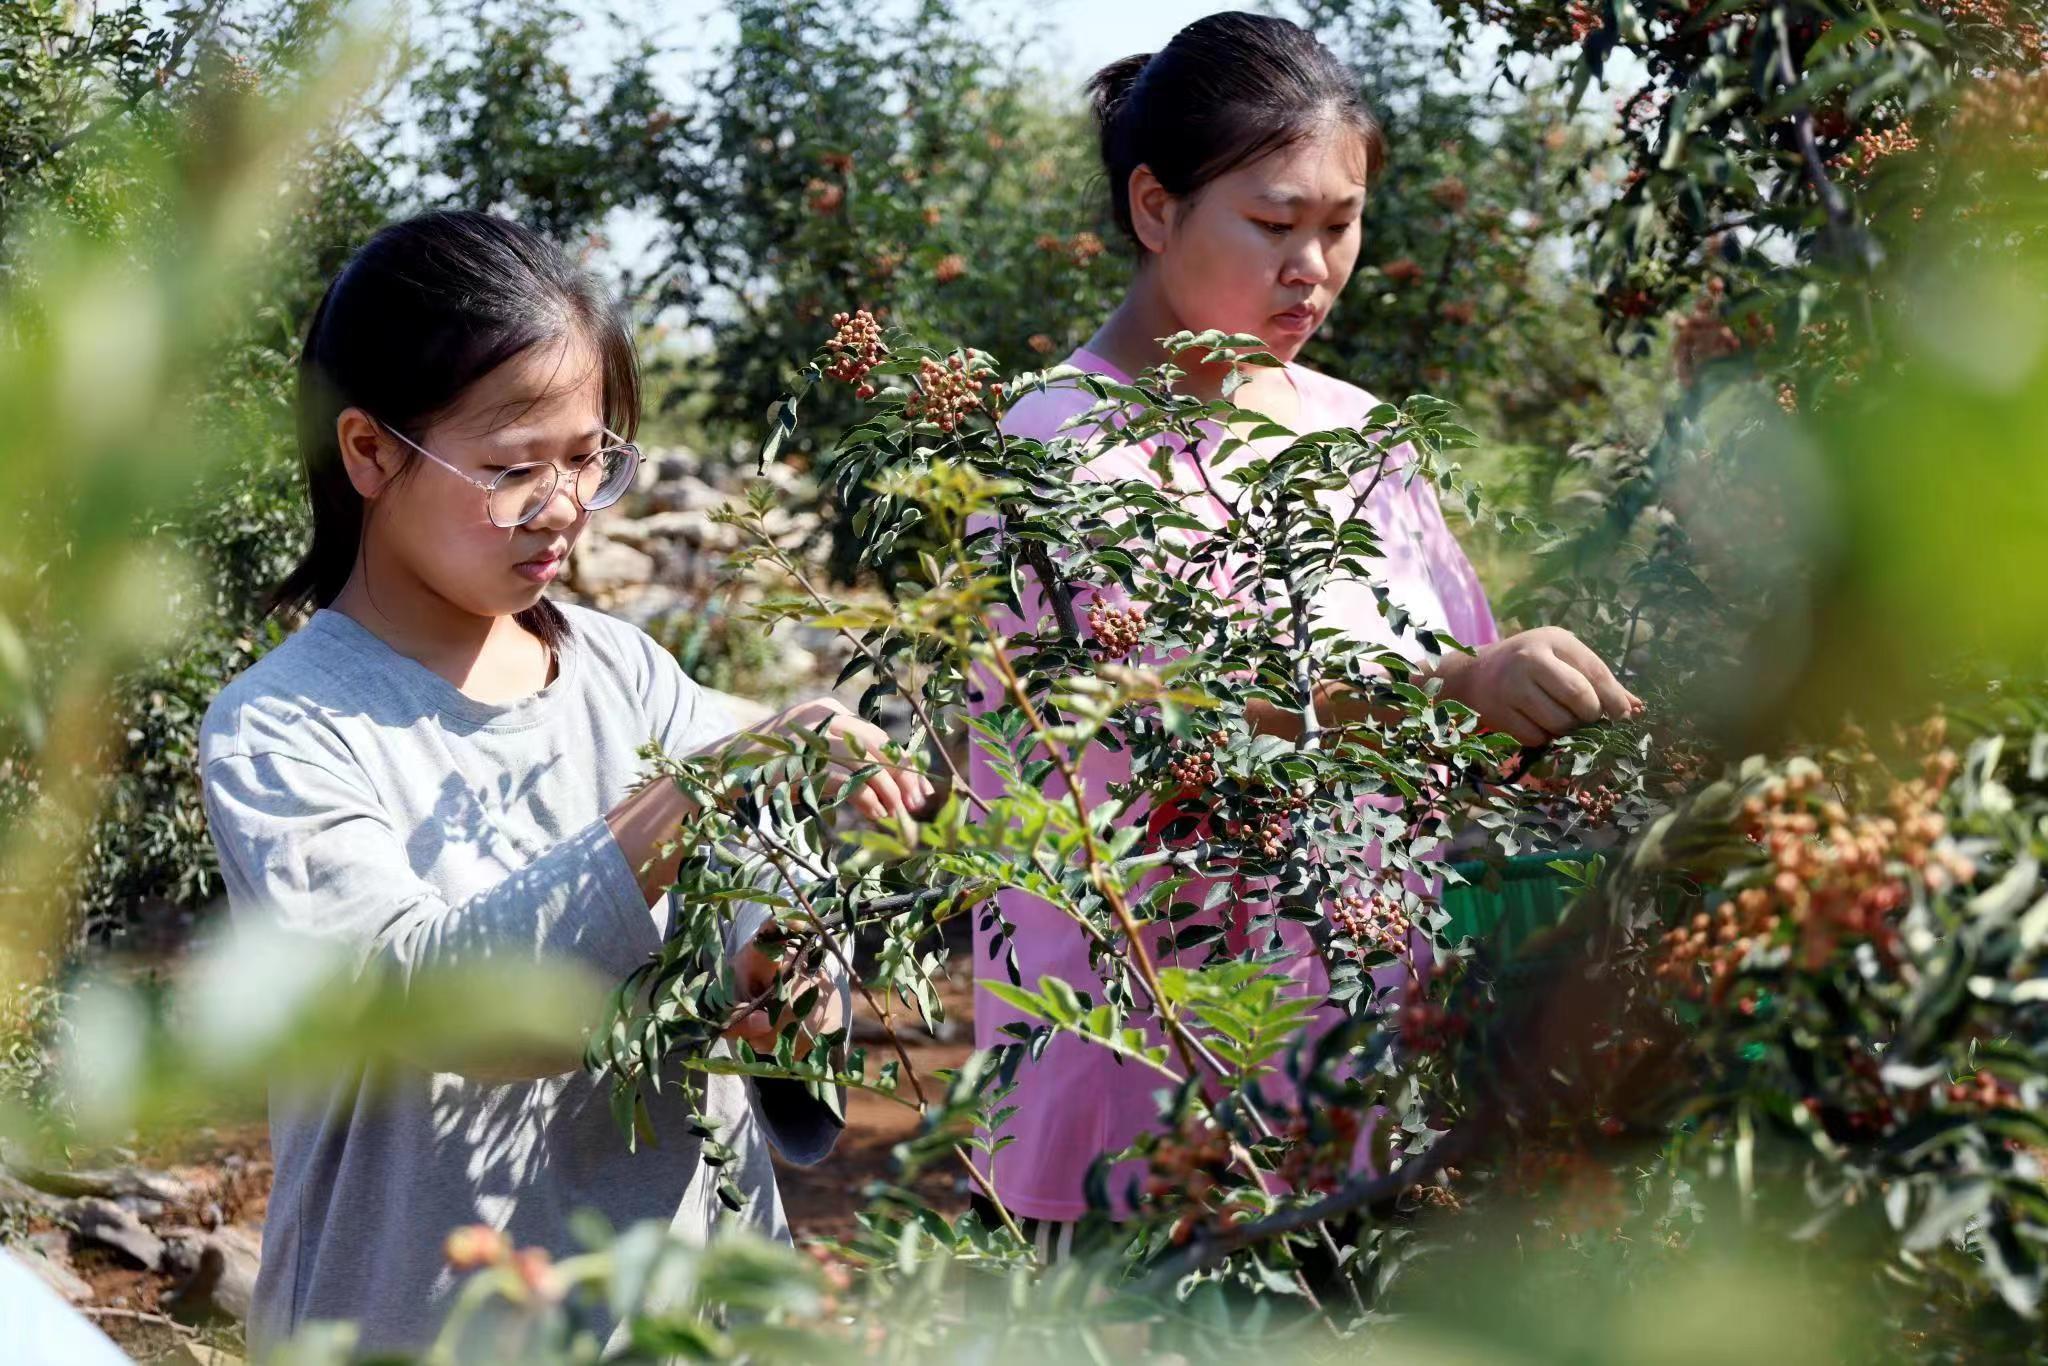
(1537, 685)
(757, 970)
(895, 792)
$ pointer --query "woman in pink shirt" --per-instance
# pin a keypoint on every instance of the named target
(1237, 160)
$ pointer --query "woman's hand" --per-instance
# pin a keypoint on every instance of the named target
(1537, 685)
(896, 791)
(757, 970)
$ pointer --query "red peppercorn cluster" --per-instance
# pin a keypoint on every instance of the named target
(1117, 630)
(1450, 194)
(1427, 1027)
(855, 349)
(950, 267)
(1402, 271)
(1788, 398)
(1984, 1091)
(1458, 313)
(1703, 336)
(1186, 1168)
(1874, 146)
(1628, 303)
(1371, 922)
(2008, 103)
(1317, 1161)
(1643, 108)
(476, 1246)
(1040, 343)
(1582, 18)
(1197, 768)
(823, 197)
(947, 393)
(1832, 877)
(1268, 826)
(1085, 247)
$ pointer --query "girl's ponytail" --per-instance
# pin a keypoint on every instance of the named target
(1110, 88)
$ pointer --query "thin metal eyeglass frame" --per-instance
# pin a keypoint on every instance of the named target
(556, 470)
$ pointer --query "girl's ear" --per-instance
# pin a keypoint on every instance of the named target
(1153, 210)
(370, 457)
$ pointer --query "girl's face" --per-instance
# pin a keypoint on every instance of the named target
(1266, 248)
(546, 404)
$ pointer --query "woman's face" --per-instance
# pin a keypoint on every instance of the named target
(1267, 248)
(546, 404)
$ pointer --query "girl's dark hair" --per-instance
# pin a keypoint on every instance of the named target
(422, 311)
(1227, 90)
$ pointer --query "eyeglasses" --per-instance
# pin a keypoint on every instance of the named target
(518, 493)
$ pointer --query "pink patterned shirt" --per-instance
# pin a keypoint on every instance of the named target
(1077, 1100)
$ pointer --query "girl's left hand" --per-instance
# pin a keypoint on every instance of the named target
(757, 970)
(896, 791)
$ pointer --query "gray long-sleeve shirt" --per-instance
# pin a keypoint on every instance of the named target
(359, 798)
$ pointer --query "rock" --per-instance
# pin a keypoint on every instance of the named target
(45, 1254)
(113, 1183)
(108, 1224)
(222, 1284)
(16, 1194)
(142, 1207)
(603, 567)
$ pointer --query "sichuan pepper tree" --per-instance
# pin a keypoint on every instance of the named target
(1158, 639)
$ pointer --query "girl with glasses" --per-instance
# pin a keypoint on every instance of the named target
(439, 768)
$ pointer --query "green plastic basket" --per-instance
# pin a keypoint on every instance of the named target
(1531, 897)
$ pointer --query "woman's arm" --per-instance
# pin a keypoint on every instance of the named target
(1535, 685)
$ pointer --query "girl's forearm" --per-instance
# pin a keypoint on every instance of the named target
(645, 826)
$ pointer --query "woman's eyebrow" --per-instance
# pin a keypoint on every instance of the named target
(1291, 199)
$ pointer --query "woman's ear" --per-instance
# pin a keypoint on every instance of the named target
(370, 457)
(1153, 210)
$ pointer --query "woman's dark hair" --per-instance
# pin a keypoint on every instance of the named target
(1228, 89)
(426, 308)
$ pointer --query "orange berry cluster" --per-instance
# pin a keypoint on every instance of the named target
(950, 267)
(1982, 1090)
(1371, 922)
(2007, 104)
(1874, 146)
(947, 393)
(1832, 877)
(1085, 247)
(476, 1246)
(855, 349)
(1118, 630)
